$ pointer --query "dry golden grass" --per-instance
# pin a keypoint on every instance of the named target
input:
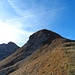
(49, 60)
(58, 58)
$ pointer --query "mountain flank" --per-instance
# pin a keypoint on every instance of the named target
(45, 53)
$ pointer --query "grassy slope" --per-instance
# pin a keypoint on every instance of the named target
(58, 58)
(49, 60)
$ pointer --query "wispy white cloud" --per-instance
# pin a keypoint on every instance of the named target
(31, 18)
(34, 15)
(25, 14)
(16, 9)
(36, 18)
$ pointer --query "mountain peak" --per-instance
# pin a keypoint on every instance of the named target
(44, 35)
(7, 49)
(11, 43)
(45, 53)
(35, 42)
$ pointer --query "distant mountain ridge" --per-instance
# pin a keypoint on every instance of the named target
(7, 49)
(45, 53)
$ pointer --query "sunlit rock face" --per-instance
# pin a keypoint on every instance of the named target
(7, 49)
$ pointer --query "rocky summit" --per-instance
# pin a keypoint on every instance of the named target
(45, 53)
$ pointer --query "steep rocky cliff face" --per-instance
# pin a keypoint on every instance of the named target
(45, 53)
(7, 49)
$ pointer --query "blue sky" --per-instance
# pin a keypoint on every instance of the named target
(20, 18)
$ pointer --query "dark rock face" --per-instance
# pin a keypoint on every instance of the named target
(37, 40)
(7, 49)
(40, 38)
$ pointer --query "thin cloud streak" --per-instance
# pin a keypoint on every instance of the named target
(31, 18)
(16, 9)
(25, 17)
